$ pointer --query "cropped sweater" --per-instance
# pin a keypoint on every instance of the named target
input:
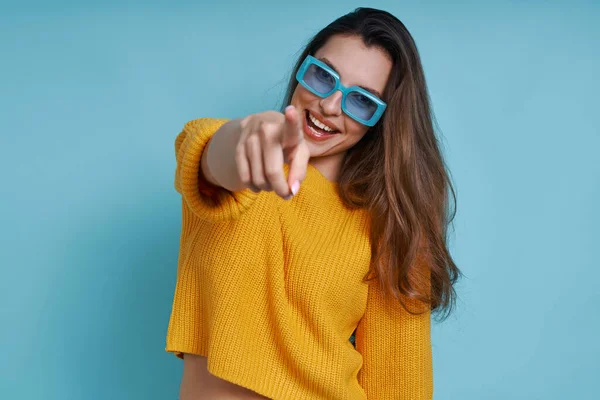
(270, 291)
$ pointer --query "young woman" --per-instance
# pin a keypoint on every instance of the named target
(313, 244)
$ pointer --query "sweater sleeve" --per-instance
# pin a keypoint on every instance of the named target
(207, 201)
(396, 349)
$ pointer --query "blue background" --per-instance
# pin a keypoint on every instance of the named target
(93, 95)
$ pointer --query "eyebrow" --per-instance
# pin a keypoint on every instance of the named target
(326, 61)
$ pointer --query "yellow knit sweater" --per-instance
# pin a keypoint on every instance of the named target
(271, 290)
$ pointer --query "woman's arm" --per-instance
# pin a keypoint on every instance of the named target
(218, 164)
(396, 350)
(396, 345)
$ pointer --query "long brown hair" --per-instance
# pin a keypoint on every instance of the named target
(398, 173)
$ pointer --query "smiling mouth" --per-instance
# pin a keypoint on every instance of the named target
(321, 131)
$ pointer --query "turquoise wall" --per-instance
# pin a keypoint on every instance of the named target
(93, 95)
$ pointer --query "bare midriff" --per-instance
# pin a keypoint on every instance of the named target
(198, 383)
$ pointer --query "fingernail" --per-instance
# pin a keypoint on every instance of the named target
(289, 107)
(295, 187)
(288, 197)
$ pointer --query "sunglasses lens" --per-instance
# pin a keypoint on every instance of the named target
(319, 79)
(360, 105)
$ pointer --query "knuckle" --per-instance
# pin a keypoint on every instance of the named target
(246, 180)
(251, 142)
(272, 172)
(262, 186)
(258, 181)
(267, 130)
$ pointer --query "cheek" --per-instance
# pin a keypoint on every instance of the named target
(354, 129)
(303, 97)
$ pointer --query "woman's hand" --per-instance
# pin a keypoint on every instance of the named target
(268, 140)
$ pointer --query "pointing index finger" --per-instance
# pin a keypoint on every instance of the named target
(293, 124)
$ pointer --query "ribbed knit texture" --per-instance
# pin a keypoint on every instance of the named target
(271, 290)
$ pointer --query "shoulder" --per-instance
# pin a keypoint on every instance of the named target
(204, 124)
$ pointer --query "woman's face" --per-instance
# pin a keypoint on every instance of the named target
(357, 65)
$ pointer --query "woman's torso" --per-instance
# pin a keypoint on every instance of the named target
(198, 383)
(314, 252)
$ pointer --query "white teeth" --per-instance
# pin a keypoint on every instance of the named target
(319, 124)
(315, 131)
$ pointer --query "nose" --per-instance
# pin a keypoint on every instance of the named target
(332, 105)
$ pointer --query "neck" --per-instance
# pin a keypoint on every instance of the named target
(328, 166)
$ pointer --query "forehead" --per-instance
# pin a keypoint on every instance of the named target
(357, 64)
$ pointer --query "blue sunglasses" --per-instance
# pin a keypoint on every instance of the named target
(358, 103)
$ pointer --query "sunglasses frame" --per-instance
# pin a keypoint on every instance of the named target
(381, 105)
